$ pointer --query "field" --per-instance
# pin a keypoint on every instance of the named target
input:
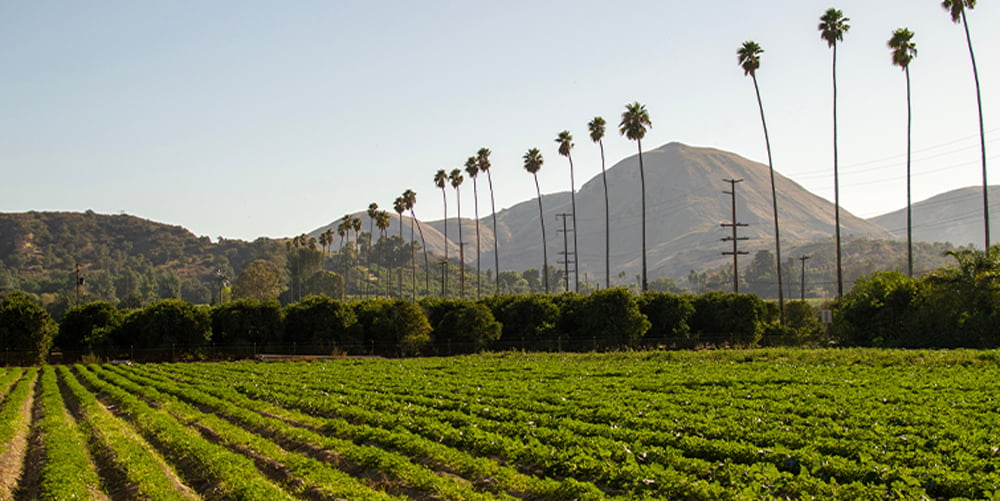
(824, 424)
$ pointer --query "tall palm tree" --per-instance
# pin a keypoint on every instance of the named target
(399, 205)
(635, 121)
(456, 179)
(565, 141)
(441, 180)
(472, 169)
(596, 127)
(382, 220)
(356, 226)
(372, 212)
(533, 163)
(903, 51)
(957, 10)
(749, 59)
(832, 27)
(411, 201)
(483, 160)
(344, 230)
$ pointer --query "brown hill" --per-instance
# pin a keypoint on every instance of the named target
(955, 216)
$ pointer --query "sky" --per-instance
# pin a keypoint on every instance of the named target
(252, 118)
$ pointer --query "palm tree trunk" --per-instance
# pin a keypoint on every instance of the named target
(909, 209)
(576, 249)
(475, 200)
(836, 181)
(378, 258)
(982, 136)
(774, 201)
(413, 264)
(444, 267)
(400, 274)
(642, 185)
(607, 223)
(461, 245)
(545, 252)
(371, 230)
(496, 238)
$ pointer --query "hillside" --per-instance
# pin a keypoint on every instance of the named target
(955, 216)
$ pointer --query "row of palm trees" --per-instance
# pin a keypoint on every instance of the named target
(633, 125)
(832, 27)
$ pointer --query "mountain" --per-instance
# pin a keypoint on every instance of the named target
(685, 206)
(955, 216)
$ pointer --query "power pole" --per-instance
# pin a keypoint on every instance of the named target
(565, 252)
(734, 225)
(802, 280)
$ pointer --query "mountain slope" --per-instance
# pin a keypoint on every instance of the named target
(955, 216)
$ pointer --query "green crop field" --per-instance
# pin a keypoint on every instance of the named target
(823, 424)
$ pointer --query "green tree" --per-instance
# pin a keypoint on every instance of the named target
(957, 10)
(382, 220)
(832, 27)
(87, 329)
(635, 121)
(903, 51)
(372, 214)
(529, 319)
(317, 324)
(533, 163)
(26, 327)
(324, 283)
(410, 197)
(303, 262)
(483, 161)
(668, 315)
(393, 327)
(880, 310)
(597, 127)
(614, 318)
(166, 323)
(749, 59)
(399, 206)
(260, 280)
(247, 321)
(565, 141)
(665, 284)
(968, 293)
(467, 327)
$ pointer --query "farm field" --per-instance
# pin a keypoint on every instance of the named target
(772, 423)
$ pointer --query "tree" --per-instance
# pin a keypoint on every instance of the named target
(832, 27)
(317, 324)
(247, 321)
(903, 51)
(167, 323)
(399, 205)
(483, 160)
(456, 179)
(356, 226)
(372, 213)
(26, 327)
(325, 283)
(472, 169)
(749, 59)
(565, 141)
(87, 329)
(441, 180)
(410, 197)
(382, 220)
(533, 163)
(957, 10)
(260, 280)
(303, 262)
(597, 127)
(635, 121)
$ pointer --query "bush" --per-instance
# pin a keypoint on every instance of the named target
(724, 317)
(668, 316)
(87, 329)
(166, 323)
(247, 321)
(882, 309)
(318, 324)
(464, 326)
(393, 326)
(608, 318)
(26, 327)
(529, 322)
(804, 319)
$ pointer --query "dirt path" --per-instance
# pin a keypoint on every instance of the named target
(12, 460)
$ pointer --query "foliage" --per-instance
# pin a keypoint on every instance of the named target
(325, 283)
(166, 323)
(668, 315)
(247, 321)
(318, 324)
(261, 280)
(723, 317)
(528, 321)
(467, 327)
(26, 327)
(393, 326)
(87, 329)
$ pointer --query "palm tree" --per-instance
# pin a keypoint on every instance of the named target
(411, 201)
(344, 230)
(372, 212)
(356, 226)
(635, 121)
(565, 141)
(483, 160)
(382, 220)
(832, 27)
(456, 181)
(903, 51)
(957, 10)
(596, 127)
(441, 180)
(325, 239)
(399, 205)
(472, 169)
(749, 59)
(533, 163)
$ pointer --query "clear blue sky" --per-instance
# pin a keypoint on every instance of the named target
(246, 119)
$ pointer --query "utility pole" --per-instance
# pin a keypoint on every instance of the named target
(565, 252)
(734, 225)
(802, 280)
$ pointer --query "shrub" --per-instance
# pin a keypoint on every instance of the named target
(247, 321)
(318, 324)
(724, 317)
(465, 327)
(26, 327)
(87, 329)
(529, 321)
(881, 310)
(166, 323)
(393, 326)
(668, 316)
